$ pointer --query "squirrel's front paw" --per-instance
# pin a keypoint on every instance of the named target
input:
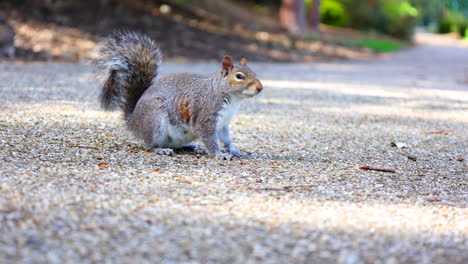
(163, 151)
(224, 156)
(236, 153)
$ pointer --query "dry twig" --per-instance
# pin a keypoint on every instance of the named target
(377, 169)
(284, 188)
(79, 146)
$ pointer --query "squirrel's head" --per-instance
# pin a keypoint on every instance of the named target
(241, 79)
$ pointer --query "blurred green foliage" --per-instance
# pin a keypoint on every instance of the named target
(377, 45)
(449, 22)
(400, 17)
(453, 22)
(332, 12)
(463, 30)
(393, 17)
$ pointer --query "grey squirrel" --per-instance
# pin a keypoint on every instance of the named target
(171, 112)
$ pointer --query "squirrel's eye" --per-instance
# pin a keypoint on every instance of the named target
(240, 76)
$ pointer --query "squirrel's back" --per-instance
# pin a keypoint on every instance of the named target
(188, 97)
(129, 62)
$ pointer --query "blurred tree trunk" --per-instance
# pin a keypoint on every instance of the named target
(292, 16)
(314, 15)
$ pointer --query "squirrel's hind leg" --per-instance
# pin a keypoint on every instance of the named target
(158, 139)
(163, 151)
(150, 123)
(194, 148)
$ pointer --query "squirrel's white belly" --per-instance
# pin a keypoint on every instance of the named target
(179, 136)
(227, 113)
(176, 136)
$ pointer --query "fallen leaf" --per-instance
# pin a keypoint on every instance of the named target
(411, 157)
(132, 150)
(185, 181)
(156, 169)
(103, 165)
(86, 228)
(460, 159)
(441, 132)
(137, 208)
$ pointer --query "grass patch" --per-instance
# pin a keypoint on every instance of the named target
(377, 45)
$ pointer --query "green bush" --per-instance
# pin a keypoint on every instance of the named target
(333, 13)
(401, 17)
(394, 17)
(463, 29)
(452, 22)
(445, 25)
(365, 15)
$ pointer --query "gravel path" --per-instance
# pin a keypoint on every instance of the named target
(76, 187)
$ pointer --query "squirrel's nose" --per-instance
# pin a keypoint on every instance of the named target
(259, 86)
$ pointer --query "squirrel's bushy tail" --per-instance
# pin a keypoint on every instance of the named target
(129, 61)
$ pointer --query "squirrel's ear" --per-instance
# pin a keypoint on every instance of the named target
(227, 65)
(243, 62)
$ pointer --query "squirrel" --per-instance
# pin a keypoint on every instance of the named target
(169, 113)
